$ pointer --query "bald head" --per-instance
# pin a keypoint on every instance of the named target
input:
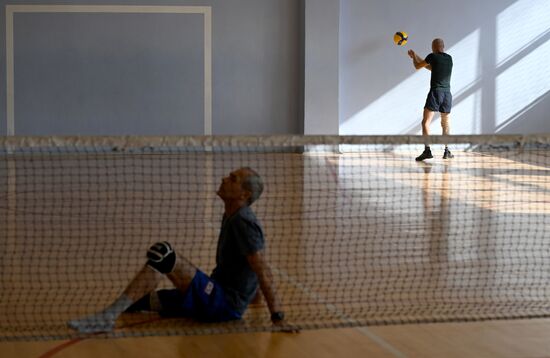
(438, 45)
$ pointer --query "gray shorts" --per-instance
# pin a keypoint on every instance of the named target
(439, 101)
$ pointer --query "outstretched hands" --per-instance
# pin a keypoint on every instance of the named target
(411, 54)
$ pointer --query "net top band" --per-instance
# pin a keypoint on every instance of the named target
(263, 140)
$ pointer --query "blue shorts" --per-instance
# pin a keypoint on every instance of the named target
(204, 301)
(439, 101)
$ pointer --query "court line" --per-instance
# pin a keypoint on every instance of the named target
(51, 352)
(62, 346)
(381, 342)
(364, 330)
(341, 315)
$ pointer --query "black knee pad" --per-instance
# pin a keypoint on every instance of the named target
(162, 257)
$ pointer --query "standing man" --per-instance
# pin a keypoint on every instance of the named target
(439, 98)
(241, 268)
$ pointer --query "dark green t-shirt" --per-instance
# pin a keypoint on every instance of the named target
(442, 66)
(241, 235)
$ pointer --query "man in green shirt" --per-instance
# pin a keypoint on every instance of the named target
(439, 98)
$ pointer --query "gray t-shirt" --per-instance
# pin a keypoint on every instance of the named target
(241, 235)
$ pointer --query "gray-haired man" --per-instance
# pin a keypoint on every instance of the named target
(241, 268)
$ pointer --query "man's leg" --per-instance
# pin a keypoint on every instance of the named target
(426, 120)
(180, 272)
(183, 274)
(145, 281)
(427, 117)
(446, 131)
(445, 123)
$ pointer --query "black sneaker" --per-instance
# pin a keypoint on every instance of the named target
(447, 154)
(426, 154)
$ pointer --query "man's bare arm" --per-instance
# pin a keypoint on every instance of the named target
(259, 265)
(418, 62)
(267, 285)
(265, 277)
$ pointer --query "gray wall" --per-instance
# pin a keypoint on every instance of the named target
(142, 74)
(99, 74)
(501, 81)
(321, 66)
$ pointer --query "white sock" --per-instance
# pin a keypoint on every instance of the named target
(103, 321)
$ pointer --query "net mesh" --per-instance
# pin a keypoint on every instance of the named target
(357, 231)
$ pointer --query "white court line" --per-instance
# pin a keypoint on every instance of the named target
(337, 312)
(381, 342)
(332, 308)
(206, 11)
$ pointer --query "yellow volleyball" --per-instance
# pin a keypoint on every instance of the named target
(400, 38)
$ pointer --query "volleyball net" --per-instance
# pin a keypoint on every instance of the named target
(357, 232)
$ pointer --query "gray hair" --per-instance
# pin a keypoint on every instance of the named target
(254, 184)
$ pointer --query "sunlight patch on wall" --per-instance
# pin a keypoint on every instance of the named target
(395, 112)
(399, 111)
(519, 25)
(466, 115)
(466, 64)
(523, 83)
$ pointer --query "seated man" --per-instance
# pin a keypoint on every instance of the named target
(240, 268)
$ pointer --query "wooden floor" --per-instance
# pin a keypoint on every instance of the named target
(353, 238)
(514, 339)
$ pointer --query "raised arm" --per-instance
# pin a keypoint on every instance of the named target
(418, 62)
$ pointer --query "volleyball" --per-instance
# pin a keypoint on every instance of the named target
(400, 38)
